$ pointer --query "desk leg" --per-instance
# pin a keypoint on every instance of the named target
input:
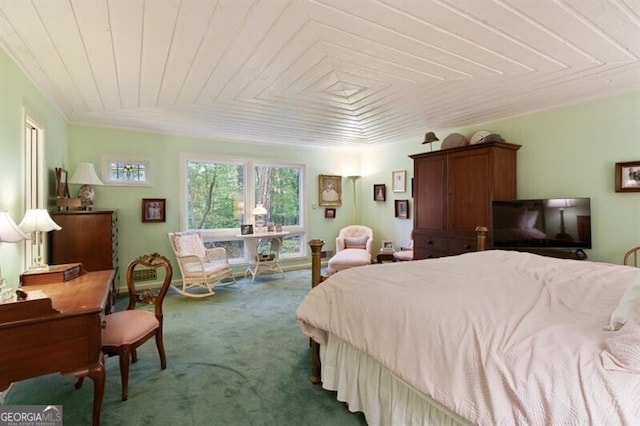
(97, 374)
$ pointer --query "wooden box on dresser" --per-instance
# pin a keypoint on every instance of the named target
(453, 190)
(87, 237)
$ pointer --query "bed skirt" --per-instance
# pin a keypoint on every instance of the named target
(368, 387)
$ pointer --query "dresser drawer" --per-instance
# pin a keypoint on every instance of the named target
(461, 245)
(429, 242)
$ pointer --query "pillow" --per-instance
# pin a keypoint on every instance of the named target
(189, 244)
(357, 243)
(622, 351)
(629, 300)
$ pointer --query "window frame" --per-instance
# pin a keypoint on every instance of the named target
(108, 159)
(249, 164)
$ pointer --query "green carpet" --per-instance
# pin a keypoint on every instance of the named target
(237, 358)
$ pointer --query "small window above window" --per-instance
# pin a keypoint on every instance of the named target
(126, 171)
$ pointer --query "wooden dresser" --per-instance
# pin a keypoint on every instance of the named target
(87, 237)
(453, 190)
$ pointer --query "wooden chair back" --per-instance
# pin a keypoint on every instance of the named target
(632, 257)
(153, 261)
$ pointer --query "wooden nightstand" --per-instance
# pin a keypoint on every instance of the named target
(382, 257)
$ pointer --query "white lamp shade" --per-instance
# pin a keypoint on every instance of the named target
(561, 202)
(86, 175)
(38, 220)
(9, 231)
(259, 210)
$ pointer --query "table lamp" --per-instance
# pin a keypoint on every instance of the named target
(86, 176)
(562, 203)
(9, 233)
(37, 221)
(259, 212)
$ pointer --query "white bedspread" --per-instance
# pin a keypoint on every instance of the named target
(501, 338)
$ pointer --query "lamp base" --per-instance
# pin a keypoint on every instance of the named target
(87, 197)
(38, 267)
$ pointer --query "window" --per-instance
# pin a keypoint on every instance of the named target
(126, 171)
(220, 195)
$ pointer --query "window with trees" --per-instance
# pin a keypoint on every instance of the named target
(221, 194)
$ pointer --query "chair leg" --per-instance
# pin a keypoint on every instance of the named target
(125, 354)
(160, 345)
(134, 355)
(78, 383)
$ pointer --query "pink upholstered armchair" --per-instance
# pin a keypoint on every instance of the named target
(353, 248)
(353, 236)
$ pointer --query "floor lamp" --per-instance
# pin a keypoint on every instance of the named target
(353, 180)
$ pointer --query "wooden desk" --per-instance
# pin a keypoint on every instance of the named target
(58, 333)
(257, 262)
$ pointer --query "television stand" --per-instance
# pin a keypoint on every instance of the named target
(577, 254)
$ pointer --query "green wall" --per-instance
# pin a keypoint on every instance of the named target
(20, 98)
(91, 143)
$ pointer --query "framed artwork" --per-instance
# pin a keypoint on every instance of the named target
(387, 245)
(246, 229)
(399, 179)
(329, 213)
(628, 176)
(402, 209)
(329, 190)
(380, 192)
(154, 209)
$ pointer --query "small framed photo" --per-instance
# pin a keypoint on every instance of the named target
(154, 210)
(246, 229)
(402, 209)
(380, 192)
(329, 190)
(399, 179)
(628, 176)
(329, 213)
(387, 245)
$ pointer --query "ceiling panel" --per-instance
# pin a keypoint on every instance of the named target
(319, 72)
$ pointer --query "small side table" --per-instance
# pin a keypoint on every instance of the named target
(382, 257)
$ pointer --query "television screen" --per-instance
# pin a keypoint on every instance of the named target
(542, 223)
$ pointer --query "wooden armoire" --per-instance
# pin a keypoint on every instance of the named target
(453, 189)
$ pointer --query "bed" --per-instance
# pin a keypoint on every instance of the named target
(489, 338)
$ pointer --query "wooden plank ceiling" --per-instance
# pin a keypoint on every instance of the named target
(342, 73)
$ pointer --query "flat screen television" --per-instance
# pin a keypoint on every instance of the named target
(550, 223)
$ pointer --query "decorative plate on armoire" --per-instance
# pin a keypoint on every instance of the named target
(454, 140)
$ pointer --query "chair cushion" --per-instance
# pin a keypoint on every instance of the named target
(348, 258)
(189, 244)
(356, 243)
(126, 327)
(193, 269)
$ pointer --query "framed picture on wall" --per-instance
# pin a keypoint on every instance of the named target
(399, 179)
(402, 209)
(628, 176)
(380, 192)
(329, 213)
(329, 190)
(154, 210)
